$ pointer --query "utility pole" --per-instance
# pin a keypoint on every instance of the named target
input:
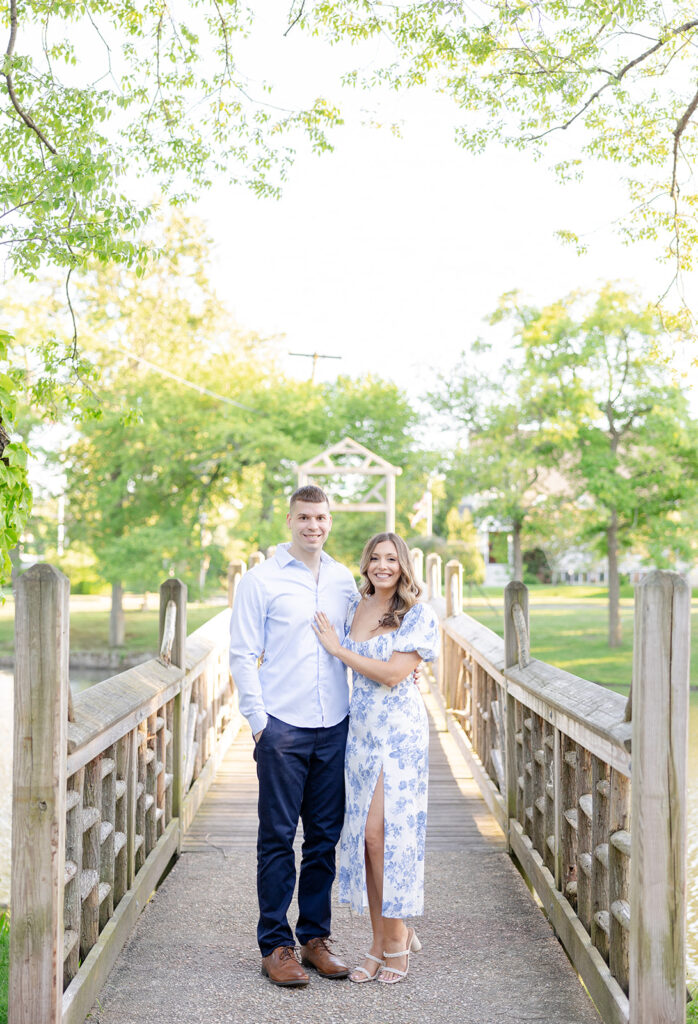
(314, 356)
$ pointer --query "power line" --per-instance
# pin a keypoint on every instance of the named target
(182, 380)
(314, 356)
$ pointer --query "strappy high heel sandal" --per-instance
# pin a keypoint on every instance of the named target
(413, 945)
(369, 976)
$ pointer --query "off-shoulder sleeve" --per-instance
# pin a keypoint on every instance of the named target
(419, 632)
(351, 608)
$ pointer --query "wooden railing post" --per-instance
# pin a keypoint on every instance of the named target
(236, 569)
(453, 585)
(39, 796)
(255, 558)
(417, 556)
(175, 590)
(433, 576)
(514, 593)
(658, 796)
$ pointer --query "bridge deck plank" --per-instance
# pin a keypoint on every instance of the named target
(489, 954)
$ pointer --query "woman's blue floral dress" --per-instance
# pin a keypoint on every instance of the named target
(388, 729)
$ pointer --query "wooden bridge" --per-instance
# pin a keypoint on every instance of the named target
(530, 768)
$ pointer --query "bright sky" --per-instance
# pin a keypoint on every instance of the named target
(391, 252)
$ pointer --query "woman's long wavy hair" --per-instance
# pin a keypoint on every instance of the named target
(408, 589)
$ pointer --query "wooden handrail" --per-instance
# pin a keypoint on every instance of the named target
(551, 754)
(127, 776)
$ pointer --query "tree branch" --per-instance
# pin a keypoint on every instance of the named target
(27, 118)
(615, 77)
(678, 132)
(296, 19)
(226, 41)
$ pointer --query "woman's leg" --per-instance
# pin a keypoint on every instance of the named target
(395, 939)
(374, 838)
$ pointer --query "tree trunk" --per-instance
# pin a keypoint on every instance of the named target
(518, 553)
(116, 616)
(614, 627)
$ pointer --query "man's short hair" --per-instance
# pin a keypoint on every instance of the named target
(309, 492)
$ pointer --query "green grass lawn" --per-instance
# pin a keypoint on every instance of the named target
(569, 629)
(89, 625)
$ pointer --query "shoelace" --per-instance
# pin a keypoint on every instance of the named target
(287, 953)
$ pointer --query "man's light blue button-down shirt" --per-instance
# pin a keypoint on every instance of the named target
(298, 681)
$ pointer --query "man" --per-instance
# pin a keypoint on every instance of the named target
(297, 704)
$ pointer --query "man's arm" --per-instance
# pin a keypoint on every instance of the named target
(246, 645)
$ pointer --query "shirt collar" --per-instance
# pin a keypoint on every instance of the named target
(284, 556)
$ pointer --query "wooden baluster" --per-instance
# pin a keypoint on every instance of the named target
(619, 878)
(539, 780)
(72, 901)
(549, 843)
(199, 726)
(467, 664)
(256, 558)
(141, 776)
(161, 761)
(107, 837)
(568, 819)
(558, 809)
(600, 790)
(658, 828)
(478, 677)
(520, 769)
(121, 824)
(584, 848)
(131, 776)
(175, 590)
(528, 773)
(150, 787)
(91, 848)
(515, 767)
(169, 759)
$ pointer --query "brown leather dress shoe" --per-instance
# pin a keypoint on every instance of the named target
(282, 967)
(317, 953)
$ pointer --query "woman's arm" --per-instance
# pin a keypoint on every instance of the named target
(389, 673)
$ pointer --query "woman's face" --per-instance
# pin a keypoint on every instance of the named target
(384, 568)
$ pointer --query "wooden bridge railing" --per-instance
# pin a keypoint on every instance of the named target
(600, 837)
(101, 801)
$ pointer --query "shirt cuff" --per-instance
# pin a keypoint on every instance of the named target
(258, 721)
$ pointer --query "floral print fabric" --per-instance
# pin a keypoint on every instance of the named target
(388, 729)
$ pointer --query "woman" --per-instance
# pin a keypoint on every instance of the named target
(388, 632)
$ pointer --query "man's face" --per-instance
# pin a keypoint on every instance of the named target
(310, 523)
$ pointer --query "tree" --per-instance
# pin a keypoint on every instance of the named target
(621, 76)
(462, 543)
(196, 434)
(95, 98)
(15, 495)
(631, 444)
(100, 93)
(508, 445)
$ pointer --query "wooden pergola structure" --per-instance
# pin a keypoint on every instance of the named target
(347, 457)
